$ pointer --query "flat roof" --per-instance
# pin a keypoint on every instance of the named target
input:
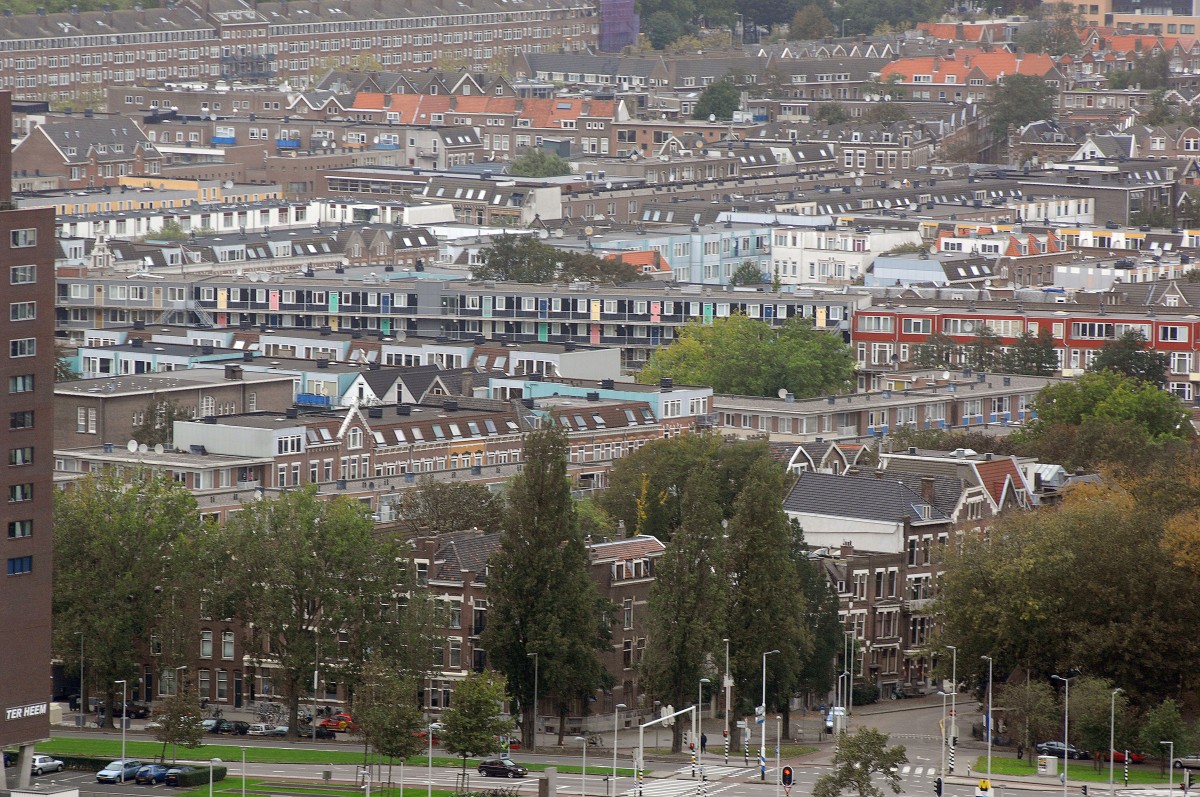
(133, 384)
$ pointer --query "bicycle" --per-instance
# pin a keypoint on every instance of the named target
(595, 740)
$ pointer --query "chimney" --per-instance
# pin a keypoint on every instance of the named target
(847, 549)
(233, 372)
(292, 412)
(927, 489)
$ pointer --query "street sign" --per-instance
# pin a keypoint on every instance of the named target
(741, 724)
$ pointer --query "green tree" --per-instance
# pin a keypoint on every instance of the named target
(687, 600)
(588, 267)
(542, 600)
(517, 258)
(158, 423)
(170, 231)
(538, 163)
(750, 357)
(142, 521)
(1032, 355)
(1052, 30)
(437, 507)
(1091, 700)
(64, 363)
(663, 28)
(646, 488)
(810, 22)
(1018, 100)
(887, 113)
(1164, 723)
(831, 113)
(385, 707)
(473, 724)
(747, 273)
(938, 351)
(1029, 711)
(1149, 72)
(1130, 356)
(295, 555)
(766, 603)
(983, 352)
(858, 761)
(179, 722)
(719, 99)
(1112, 396)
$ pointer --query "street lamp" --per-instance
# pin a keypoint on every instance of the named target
(1066, 723)
(81, 712)
(953, 702)
(943, 696)
(844, 21)
(211, 763)
(1170, 764)
(429, 733)
(988, 659)
(533, 714)
(583, 784)
(1112, 727)
(727, 684)
(762, 750)
(124, 683)
(700, 724)
(616, 726)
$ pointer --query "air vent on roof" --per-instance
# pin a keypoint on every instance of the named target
(292, 412)
(450, 405)
(403, 409)
(375, 412)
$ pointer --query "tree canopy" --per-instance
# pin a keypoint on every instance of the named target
(719, 99)
(859, 760)
(1018, 100)
(750, 357)
(1129, 355)
(538, 163)
(473, 725)
(525, 258)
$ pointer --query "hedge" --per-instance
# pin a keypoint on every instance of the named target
(199, 776)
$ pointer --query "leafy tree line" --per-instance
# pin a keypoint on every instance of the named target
(750, 357)
(525, 258)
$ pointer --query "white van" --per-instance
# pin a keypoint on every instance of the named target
(835, 719)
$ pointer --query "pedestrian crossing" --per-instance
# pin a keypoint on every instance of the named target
(718, 771)
(671, 787)
(917, 772)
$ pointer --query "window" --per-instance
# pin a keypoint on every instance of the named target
(23, 238)
(22, 419)
(22, 275)
(20, 384)
(628, 612)
(20, 456)
(227, 644)
(20, 528)
(206, 643)
(22, 311)
(18, 493)
(204, 683)
(19, 565)
(85, 420)
(355, 438)
(222, 685)
(22, 347)
(916, 326)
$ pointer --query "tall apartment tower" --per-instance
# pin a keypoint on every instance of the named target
(26, 461)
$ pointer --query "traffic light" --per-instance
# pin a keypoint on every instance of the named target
(691, 745)
(787, 776)
(725, 734)
(937, 787)
(1083, 789)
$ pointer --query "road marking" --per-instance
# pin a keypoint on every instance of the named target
(715, 771)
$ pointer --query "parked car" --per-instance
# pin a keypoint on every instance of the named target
(237, 727)
(1056, 749)
(152, 774)
(172, 775)
(339, 722)
(1190, 761)
(259, 729)
(501, 768)
(119, 771)
(136, 711)
(1118, 757)
(44, 763)
(832, 718)
(306, 732)
(278, 730)
(209, 725)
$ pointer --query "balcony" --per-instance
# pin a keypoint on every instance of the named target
(287, 143)
(224, 141)
(313, 400)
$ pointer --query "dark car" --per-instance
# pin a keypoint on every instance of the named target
(151, 773)
(1055, 749)
(306, 732)
(172, 776)
(137, 711)
(501, 768)
(238, 728)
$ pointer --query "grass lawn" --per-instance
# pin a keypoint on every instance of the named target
(232, 787)
(1077, 770)
(231, 754)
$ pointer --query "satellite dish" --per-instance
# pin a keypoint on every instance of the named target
(712, 117)
(131, 446)
(588, 231)
(158, 448)
(858, 181)
(143, 448)
(782, 392)
(227, 184)
(543, 234)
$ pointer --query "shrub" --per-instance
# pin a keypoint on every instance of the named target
(199, 776)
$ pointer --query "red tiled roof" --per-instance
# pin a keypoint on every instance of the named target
(637, 547)
(996, 474)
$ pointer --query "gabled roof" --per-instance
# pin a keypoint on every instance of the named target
(858, 497)
(464, 552)
(638, 547)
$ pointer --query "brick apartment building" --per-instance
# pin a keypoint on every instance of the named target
(27, 249)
